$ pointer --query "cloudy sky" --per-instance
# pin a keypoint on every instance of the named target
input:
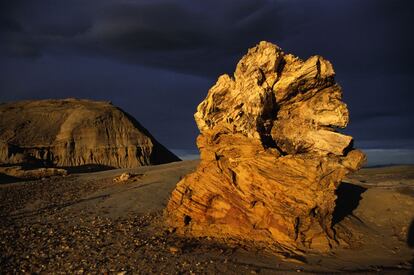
(157, 58)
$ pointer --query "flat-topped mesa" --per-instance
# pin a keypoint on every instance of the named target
(271, 159)
(74, 132)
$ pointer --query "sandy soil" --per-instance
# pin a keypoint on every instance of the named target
(87, 223)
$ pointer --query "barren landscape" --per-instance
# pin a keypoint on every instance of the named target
(87, 189)
(206, 137)
(88, 223)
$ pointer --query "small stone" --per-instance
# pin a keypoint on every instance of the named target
(123, 177)
(174, 250)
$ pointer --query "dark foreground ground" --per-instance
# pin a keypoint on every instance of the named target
(87, 223)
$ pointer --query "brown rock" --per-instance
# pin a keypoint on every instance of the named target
(127, 177)
(174, 250)
(123, 177)
(74, 132)
(271, 159)
(38, 173)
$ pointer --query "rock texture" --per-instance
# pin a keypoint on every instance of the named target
(271, 158)
(74, 132)
(39, 173)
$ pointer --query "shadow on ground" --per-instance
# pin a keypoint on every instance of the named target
(88, 168)
(53, 207)
(410, 242)
(348, 198)
(9, 179)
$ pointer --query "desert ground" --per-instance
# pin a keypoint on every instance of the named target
(88, 223)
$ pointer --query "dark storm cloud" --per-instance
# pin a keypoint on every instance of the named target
(189, 36)
(7, 22)
(359, 37)
(13, 38)
(174, 50)
(195, 37)
(148, 27)
(207, 37)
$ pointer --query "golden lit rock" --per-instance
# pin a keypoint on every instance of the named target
(271, 158)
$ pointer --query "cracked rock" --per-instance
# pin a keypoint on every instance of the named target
(271, 155)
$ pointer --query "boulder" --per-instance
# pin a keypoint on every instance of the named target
(271, 155)
(73, 132)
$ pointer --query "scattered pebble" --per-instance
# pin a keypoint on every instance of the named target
(50, 237)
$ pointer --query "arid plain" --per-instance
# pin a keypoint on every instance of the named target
(87, 222)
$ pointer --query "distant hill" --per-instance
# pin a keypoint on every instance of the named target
(74, 132)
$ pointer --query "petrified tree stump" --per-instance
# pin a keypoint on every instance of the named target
(271, 158)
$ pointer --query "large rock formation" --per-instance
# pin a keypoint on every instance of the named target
(271, 158)
(75, 132)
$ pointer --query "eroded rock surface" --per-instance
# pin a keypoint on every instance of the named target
(39, 173)
(74, 132)
(271, 158)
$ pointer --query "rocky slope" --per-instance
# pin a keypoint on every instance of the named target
(271, 158)
(74, 132)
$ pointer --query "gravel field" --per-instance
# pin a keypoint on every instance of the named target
(87, 223)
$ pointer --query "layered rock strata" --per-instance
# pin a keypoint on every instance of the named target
(74, 132)
(271, 155)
